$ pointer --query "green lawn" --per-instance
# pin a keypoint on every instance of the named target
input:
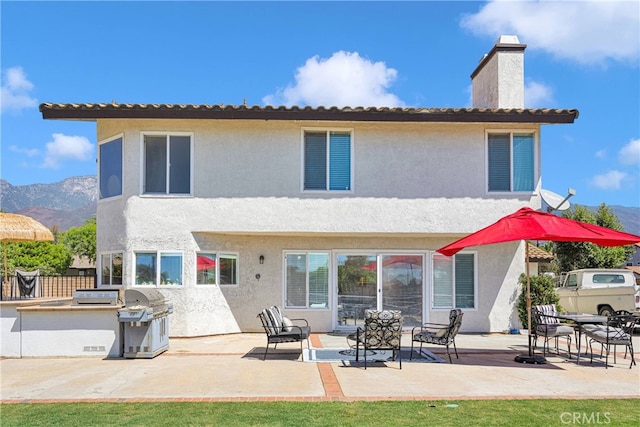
(538, 412)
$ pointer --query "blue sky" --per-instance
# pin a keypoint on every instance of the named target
(582, 55)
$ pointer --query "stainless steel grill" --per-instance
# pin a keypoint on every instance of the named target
(144, 305)
(146, 323)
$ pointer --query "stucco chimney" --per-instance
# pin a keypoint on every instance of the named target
(498, 81)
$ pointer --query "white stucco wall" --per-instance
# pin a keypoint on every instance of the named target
(9, 330)
(38, 328)
(416, 187)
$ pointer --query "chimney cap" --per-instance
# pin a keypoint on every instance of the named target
(508, 39)
(505, 43)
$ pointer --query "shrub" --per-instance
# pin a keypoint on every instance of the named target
(542, 292)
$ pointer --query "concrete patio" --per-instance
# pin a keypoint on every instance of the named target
(230, 368)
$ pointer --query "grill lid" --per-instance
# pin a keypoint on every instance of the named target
(143, 298)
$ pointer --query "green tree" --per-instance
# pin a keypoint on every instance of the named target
(51, 258)
(542, 292)
(576, 255)
(82, 240)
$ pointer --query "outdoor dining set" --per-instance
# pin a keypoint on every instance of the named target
(607, 331)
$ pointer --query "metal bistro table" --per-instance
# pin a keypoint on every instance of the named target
(581, 319)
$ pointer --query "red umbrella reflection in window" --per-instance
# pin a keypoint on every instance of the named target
(206, 263)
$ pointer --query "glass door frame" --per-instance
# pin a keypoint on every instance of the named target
(350, 323)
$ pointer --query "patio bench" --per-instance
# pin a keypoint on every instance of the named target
(281, 329)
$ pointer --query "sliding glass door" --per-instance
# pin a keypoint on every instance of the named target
(357, 288)
(379, 281)
(402, 284)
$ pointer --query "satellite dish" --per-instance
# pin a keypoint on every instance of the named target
(556, 202)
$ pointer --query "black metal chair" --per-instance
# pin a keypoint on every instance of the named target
(382, 331)
(439, 333)
(546, 326)
(617, 331)
(280, 329)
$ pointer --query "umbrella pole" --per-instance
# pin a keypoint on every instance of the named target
(529, 358)
(4, 247)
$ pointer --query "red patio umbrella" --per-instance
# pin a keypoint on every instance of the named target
(529, 224)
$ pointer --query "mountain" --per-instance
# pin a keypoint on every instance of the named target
(65, 204)
(629, 217)
(70, 202)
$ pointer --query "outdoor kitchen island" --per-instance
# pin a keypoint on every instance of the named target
(88, 325)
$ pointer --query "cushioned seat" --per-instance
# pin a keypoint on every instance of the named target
(555, 330)
(382, 331)
(280, 329)
(548, 327)
(439, 334)
(618, 331)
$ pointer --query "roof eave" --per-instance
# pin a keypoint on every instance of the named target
(168, 111)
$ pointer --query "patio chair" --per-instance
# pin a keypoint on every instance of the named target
(547, 326)
(617, 331)
(438, 333)
(280, 329)
(382, 331)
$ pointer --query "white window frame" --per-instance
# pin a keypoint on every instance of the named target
(158, 282)
(106, 141)
(167, 134)
(110, 254)
(219, 254)
(307, 252)
(536, 160)
(432, 283)
(351, 166)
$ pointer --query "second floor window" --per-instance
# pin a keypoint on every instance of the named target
(511, 162)
(110, 168)
(167, 164)
(327, 160)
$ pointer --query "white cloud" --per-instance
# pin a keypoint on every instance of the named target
(601, 154)
(344, 79)
(583, 31)
(611, 180)
(14, 93)
(65, 147)
(29, 152)
(537, 94)
(630, 153)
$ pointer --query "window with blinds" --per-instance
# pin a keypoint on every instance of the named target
(454, 281)
(306, 280)
(327, 160)
(511, 160)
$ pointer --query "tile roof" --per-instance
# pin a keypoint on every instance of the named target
(636, 272)
(537, 254)
(379, 114)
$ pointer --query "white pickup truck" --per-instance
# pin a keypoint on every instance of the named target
(601, 291)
